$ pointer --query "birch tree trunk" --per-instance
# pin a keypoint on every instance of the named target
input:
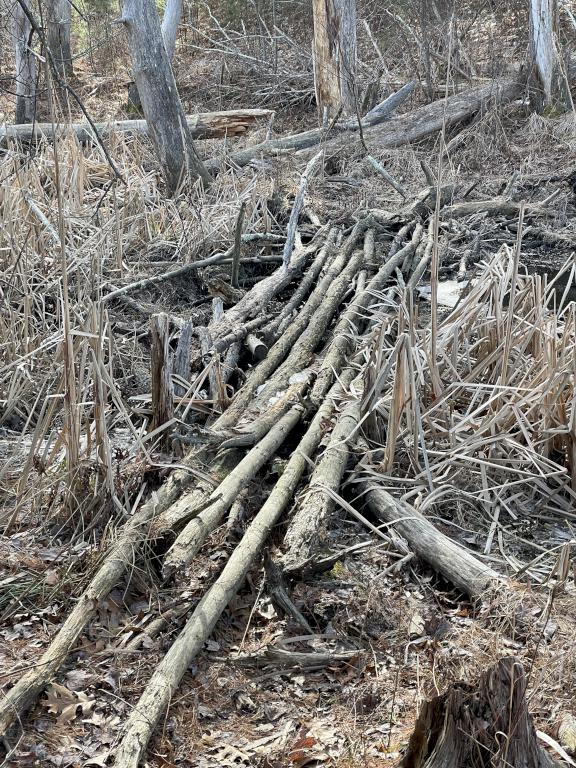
(58, 28)
(334, 55)
(25, 66)
(161, 103)
(545, 62)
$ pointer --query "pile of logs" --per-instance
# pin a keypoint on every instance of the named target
(310, 367)
(306, 386)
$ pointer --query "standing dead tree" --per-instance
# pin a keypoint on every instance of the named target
(334, 57)
(161, 103)
(170, 24)
(58, 28)
(25, 66)
(545, 73)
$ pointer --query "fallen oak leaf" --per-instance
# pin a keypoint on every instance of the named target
(64, 703)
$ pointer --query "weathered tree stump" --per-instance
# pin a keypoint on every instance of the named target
(482, 726)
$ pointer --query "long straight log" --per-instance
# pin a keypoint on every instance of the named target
(264, 370)
(353, 317)
(119, 560)
(263, 291)
(200, 527)
(453, 561)
(310, 139)
(309, 522)
(173, 517)
(206, 125)
(302, 351)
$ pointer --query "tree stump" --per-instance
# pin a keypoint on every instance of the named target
(482, 726)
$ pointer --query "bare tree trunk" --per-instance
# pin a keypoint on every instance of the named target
(160, 100)
(545, 63)
(58, 27)
(170, 24)
(25, 66)
(334, 52)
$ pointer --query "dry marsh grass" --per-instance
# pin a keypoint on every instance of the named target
(64, 352)
(484, 442)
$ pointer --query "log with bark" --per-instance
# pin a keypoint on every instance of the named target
(156, 697)
(432, 118)
(459, 566)
(389, 132)
(310, 139)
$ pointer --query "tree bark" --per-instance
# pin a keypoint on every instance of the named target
(170, 24)
(453, 561)
(545, 70)
(58, 28)
(160, 100)
(25, 66)
(413, 126)
(206, 125)
(161, 369)
(483, 726)
(334, 57)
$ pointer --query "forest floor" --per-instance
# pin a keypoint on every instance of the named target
(406, 634)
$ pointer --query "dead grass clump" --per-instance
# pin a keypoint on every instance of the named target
(83, 441)
(481, 410)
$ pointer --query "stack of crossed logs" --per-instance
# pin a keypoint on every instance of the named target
(315, 352)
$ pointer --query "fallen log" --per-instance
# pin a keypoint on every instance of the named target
(118, 561)
(265, 290)
(310, 139)
(431, 118)
(302, 348)
(155, 700)
(479, 726)
(352, 318)
(264, 370)
(206, 125)
(453, 561)
(307, 528)
(201, 526)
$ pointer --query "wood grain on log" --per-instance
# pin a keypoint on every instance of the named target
(206, 125)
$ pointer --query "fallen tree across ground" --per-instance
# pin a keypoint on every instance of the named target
(390, 132)
(206, 125)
